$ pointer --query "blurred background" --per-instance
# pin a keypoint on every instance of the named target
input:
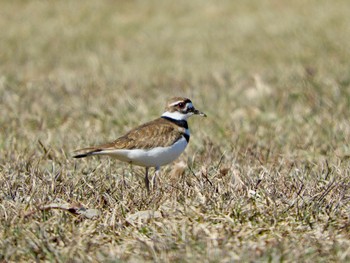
(70, 66)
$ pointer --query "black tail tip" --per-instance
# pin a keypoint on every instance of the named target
(80, 155)
(87, 154)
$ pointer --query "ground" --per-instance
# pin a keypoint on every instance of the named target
(265, 176)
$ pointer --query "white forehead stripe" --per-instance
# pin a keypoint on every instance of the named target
(177, 102)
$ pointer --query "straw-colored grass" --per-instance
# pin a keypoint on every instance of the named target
(265, 177)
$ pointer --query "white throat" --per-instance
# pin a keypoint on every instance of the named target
(176, 115)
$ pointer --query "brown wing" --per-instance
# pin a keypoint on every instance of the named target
(159, 132)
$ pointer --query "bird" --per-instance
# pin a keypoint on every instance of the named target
(152, 144)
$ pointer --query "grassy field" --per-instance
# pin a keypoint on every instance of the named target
(265, 178)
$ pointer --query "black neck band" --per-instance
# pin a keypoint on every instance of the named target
(180, 123)
(187, 137)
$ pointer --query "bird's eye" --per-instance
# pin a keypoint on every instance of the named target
(181, 104)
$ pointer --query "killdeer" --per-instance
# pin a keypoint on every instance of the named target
(153, 144)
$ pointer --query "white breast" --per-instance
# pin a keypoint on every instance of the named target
(155, 157)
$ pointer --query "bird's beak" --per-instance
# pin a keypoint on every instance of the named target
(197, 112)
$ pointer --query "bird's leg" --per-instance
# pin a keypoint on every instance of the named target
(154, 179)
(147, 180)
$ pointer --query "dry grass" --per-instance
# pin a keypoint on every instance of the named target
(266, 176)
